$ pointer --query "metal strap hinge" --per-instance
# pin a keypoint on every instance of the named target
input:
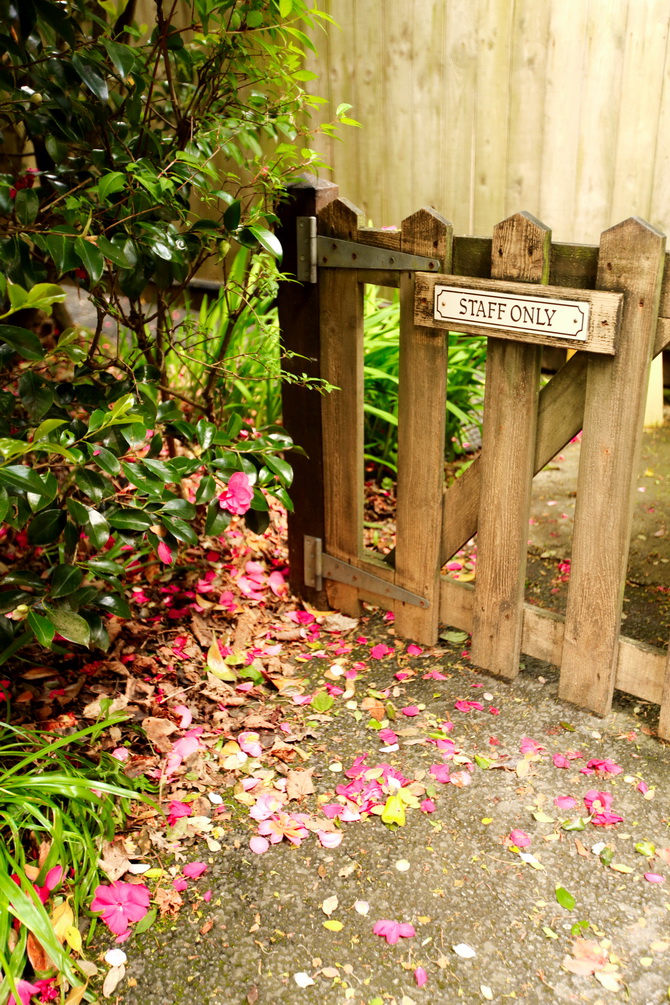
(319, 566)
(333, 253)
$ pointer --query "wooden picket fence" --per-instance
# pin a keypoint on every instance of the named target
(600, 389)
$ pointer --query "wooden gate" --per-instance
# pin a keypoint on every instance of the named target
(621, 313)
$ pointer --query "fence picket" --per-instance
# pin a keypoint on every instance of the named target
(341, 324)
(521, 250)
(631, 260)
(421, 425)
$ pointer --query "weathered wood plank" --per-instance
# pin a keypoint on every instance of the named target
(521, 247)
(641, 668)
(298, 306)
(605, 309)
(631, 259)
(664, 718)
(421, 430)
(341, 322)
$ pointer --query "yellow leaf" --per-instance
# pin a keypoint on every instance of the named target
(62, 919)
(618, 867)
(76, 995)
(522, 768)
(394, 811)
(333, 926)
(153, 873)
(608, 981)
(73, 938)
(543, 818)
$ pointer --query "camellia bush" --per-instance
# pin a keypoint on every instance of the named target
(132, 155)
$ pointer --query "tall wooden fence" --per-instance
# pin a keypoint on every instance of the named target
(618, 296)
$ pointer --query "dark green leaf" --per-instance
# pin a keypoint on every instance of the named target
(42, 627)
(281, 468)
(47, 526)
(35, 394)
(90, 77)
(111, 252)
(110, 183)
(206, 490)
(18, 476)
(108, 461)
(25, 342)
(231, 218)
(217, 519)
(90, 257)
(77, 511)
(267, 240)
(97, 528)
(10, 599)
(123, 58)
(93, 484)
(26, 206)
(70, 625)
(205, 432)
(65, 580)
(61, 249)
(130, 519)
(179, 529)
(4, 503)
(114, 604)
(181, 508)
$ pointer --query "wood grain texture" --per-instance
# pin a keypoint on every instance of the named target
(664, 718)
(640, 669)
(421, 431)
(298, 307)
(605, 309)
(520, 252)
(631, 260)
(341, 325)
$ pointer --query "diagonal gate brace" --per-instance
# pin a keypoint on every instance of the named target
(319, 566)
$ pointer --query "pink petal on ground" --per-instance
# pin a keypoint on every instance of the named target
(54, 877)
(379, 651)
(330, 839)
(427, 806)
(194, 869)
(642, 787)
(565, 802)
(259, 845)
(519, 838)
(440, 773)
(561, 761)
(164, 553)
(277, 584)
(180, 885)
(414, 650)
(529, 746)
(420, 976)
(207, 896)
(186, 716)
(121, 754)
(653, 877)
(410, 710)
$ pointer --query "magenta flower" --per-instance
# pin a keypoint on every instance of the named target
(529, 746)
(414, 650)
(565, 802)
(392, 931)
(596, 801)
(177, 810)
(440, 773)
(410, 710)
(519, 838)
(237, 495)
(427, 806)
(606, 819)
(654, 877)
(379, 651)
(561, 761)
(388, 735)
(605, 765)
(25, 991)
(120, 904)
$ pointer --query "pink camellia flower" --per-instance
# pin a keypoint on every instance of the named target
(596, 801)
(606, 819)
(250, 743)
(237, 495)
(25, 991)
(283, 825)
(48, 991)
(120, 904)
(642, 787)
(420, 976)
(194, 869)
(393, 931)
(519, 838)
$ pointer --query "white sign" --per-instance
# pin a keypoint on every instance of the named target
(513, 312)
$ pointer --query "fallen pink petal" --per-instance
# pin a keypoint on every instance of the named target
(420, 976)
(519, 838)
(194, 869)
(393, 931)
(654, 877)
(259, 845)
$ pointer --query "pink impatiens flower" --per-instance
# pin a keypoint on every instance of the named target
(392, 931)
(25, 991)
(120, 904)
(237, 495)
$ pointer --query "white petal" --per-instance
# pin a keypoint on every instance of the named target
(302, 979)
(464, 951)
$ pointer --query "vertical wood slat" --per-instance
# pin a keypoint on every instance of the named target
(664, 718)
(631, 261)
(341, 325)
(298, 308)
(421, 430)
(521, 250)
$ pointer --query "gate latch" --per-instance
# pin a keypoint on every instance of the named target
(334, 253)
(319, 566)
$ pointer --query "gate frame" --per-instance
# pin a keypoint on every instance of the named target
(603, 395)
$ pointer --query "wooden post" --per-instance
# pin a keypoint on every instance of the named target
(341, 314)
(631, 261)
(298, 307)
(421, 426)
(521, 250)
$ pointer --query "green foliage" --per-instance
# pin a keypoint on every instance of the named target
(465, 382)
(57, 806)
